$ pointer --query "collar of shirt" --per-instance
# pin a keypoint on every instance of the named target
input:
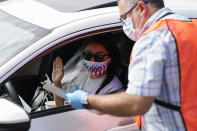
(155, 17)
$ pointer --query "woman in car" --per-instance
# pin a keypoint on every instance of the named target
(101, 59)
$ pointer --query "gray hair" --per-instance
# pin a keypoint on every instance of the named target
(155, 3)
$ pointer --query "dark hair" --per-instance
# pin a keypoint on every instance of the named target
(156, 3)
(111, 47)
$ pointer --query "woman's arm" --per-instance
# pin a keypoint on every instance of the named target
(57, 75)
(59, 101)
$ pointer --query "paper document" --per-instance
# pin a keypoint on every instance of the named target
(47, 85)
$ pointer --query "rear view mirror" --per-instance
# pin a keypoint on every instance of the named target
(13, 117)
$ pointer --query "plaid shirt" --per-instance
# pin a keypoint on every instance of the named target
(154, 71)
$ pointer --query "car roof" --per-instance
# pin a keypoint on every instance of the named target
(181, 3)
(45, 16)
(67, 6)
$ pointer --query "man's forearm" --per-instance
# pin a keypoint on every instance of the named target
(121, 104)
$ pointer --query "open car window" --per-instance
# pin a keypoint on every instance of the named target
(27, 80)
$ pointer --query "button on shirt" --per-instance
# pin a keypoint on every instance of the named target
(154, 71)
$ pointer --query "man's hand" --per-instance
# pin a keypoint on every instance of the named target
(75, 98)
(58, 71)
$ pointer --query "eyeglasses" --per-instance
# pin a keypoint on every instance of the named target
(124, 16)
(97, 57)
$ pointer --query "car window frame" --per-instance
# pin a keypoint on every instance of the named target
(66, 108)
(88, 32)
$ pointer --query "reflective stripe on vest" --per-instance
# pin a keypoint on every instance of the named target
(185, 33)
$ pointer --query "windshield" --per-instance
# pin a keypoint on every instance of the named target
(16, 35)
(68, 6)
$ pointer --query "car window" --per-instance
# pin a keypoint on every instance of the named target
(16, 35)
(27, 81)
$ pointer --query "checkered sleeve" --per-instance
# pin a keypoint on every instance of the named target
(146, 68)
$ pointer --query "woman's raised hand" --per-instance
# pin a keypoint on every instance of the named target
(58, 71)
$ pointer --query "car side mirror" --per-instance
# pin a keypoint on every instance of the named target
(13, 117)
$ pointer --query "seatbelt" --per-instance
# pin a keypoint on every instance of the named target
(99, 89)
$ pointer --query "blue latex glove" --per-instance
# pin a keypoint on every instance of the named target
(75, 98)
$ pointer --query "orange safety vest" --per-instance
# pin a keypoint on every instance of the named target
(185, 34)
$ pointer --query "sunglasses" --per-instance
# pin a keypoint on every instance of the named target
(97, 57)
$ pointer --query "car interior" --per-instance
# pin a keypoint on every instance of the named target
(27, 81)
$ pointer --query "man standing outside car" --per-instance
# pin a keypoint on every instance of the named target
(158, 72)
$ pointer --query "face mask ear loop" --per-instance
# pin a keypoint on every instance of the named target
(141, 23)
(109, 61)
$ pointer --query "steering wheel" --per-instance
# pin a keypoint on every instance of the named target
(13, 93)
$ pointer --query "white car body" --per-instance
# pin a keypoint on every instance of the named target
(69, 27)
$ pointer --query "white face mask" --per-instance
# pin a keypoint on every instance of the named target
(133, 34)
